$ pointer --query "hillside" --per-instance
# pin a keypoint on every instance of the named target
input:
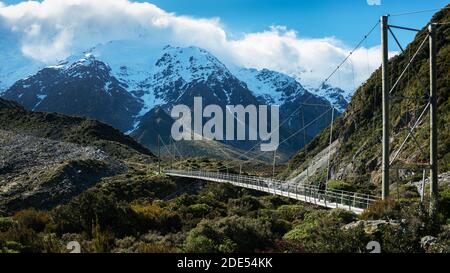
(358, 130)
(46, 159)
(69, 129)
(7, 104)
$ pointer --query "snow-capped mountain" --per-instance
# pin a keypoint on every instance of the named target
(271, 87)
(163, 76)
(131, 61)
(120, 82)
(83, 88)
(338, 97)
(182, 73)
(299, 106)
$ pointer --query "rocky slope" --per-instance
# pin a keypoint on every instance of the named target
(38, 172)
(7, 105)
(46, 159)
(70, 129)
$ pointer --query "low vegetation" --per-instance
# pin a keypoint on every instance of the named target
(131, 213)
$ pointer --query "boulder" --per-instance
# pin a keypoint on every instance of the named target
(372, 226)
(427, 242)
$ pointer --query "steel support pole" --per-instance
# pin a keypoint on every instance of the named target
(329, 149)
(274, 163)
(422, 198)
(159, 157)
(171, 155)
(385, 95)
(433, 122)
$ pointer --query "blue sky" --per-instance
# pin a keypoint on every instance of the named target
(345, 19)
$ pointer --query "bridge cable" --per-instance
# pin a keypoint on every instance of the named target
(360, 43)
(165, 146)
(287, 139)
(417, 12)
(409, 64)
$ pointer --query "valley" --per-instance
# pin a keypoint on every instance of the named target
(87, 155)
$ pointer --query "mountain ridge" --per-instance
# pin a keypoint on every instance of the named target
(122, 94)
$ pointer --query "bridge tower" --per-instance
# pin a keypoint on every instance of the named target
(432, 106)
(385, 97)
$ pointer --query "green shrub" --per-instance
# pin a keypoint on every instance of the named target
(239, 234)
(33, 219)
(6, 223)
(340, 185)
(322, 232)
(220, 192)
(274, 201)
(135, 186)
(183, 200)
(199, 210)
(102, 241)
(306, 227)
(443, 245)
(444, 203)
(243, 206)
(26, 240)
(344, 216)
(94, 207)
(11, 247)
(292, 212)
(156, 248)
(152, 217)
(279, 227)
(228, 246)
(398, 240)
(200, 244)
(382, 209)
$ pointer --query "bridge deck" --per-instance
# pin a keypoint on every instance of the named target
(350, 201)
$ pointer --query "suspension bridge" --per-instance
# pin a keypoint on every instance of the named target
(355, 202)
(330, 198)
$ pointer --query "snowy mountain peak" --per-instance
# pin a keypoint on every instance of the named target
(271, 86)
(83, 67)
(84, 87)
(88, 61)
(181, 72)
(338, 97)
(188, 64)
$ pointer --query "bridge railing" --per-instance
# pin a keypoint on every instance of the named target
(308, 193)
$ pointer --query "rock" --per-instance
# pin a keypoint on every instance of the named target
(372, 226)
(444, 181)
(427, 242)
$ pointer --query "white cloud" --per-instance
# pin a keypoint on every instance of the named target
(53, 29)
(312, 60)
(374, 2)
